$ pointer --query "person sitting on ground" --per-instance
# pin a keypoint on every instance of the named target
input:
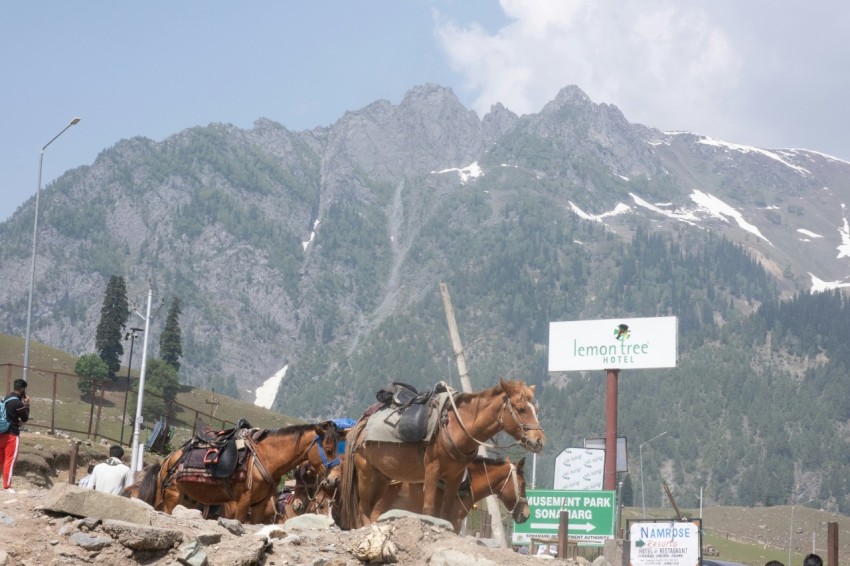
(110, 476)
(84, 481)
(812, 559)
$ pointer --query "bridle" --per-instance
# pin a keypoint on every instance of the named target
(454, 451)
(512, 476)
(328, 464)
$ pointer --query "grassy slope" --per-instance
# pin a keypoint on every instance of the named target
(74, 413)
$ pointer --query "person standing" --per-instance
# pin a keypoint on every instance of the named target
(110, 476)
(17, 412)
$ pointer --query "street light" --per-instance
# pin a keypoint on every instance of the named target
(791, 525)
(132, 337)
(640, 451)
(34, 235)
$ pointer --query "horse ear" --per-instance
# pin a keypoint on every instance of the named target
(505, 385)
(532, 388)
(520, 464)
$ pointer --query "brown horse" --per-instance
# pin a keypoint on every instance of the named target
(272, 453)
(487, 476)
(471, 419)
(311, 494)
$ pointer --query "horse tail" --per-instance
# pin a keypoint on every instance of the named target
(349, 512)
(147, 487)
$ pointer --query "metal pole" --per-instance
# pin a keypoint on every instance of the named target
(137, 422)
(34, 240)
(127, 393)
(640, 451)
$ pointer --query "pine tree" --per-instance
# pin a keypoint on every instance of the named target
(170, 343)
(113, 316)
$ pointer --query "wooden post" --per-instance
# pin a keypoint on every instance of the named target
(563, 535)
(493, 510)
(53, 406)
(99, 410)
(72, 467)
(832, 544)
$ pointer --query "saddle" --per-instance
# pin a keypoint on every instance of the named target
(219, 449)
(412, 407)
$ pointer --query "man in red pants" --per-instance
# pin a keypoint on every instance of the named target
(17, 412)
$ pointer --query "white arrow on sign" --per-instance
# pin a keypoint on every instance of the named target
(587, 527)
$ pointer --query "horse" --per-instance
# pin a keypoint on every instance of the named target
(272, 453)
(472, 419)
(487, 476)
(311, 494)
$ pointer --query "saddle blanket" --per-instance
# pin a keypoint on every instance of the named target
(382, 426)
(193, 469)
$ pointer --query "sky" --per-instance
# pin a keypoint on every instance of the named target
(759, 73)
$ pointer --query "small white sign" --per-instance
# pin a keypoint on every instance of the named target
(668, 543)
(616, 343)
(579, 469)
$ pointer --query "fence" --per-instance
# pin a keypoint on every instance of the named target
(57, 404)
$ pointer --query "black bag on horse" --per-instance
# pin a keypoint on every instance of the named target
(413, 409)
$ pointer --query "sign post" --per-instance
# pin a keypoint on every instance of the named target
(591, 516)
(612, 345)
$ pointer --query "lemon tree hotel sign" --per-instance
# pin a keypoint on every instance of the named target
(627, 343)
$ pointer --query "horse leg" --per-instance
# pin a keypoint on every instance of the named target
(449, 495)
(367, 478)
(384, 498)
(430, 489)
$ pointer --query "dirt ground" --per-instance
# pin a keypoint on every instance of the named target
(32, 537)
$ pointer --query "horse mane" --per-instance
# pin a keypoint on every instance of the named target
(489, 460)
(466, 397)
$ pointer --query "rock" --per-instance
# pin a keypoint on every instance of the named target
(308, 521)
(80, 502)
(192, 554)
(232, 525)
(453, 557)
(142, 538)
(90, 542)
(6, 519)
(399, 514)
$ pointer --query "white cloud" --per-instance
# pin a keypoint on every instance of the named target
(657, 60)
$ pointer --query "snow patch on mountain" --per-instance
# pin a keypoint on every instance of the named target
(808, 234)
(844, 232)
(471, 171)
(619, 209)
(819, 285)
(720, 209)
(749, 149)
(267, 392)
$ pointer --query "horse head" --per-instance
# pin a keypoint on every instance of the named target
(327, 461)
(522, 421)
(519, 507)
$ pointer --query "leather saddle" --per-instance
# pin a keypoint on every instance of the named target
(412, 407)
(221, 447)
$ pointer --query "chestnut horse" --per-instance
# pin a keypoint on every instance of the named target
(311, 494)
(487, 476)
(272, 453)
(468, 420)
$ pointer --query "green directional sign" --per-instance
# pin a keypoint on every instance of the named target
(590, 516)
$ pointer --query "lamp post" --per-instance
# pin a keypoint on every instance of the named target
(640, 452)
(34, 236)
(132, 336)
(137, 422)
(791, 527)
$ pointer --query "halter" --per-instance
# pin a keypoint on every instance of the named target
(454, 451)
(325, 462)
(512, 475)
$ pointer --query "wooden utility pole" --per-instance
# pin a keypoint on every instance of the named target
(492, 503)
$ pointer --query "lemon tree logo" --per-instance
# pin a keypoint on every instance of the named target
(622, 333)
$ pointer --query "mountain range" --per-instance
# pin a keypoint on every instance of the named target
(308, 266)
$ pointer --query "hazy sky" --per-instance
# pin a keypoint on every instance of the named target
(769, 74)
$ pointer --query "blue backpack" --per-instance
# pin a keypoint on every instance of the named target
(4, 420)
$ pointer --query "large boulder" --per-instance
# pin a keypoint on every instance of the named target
(80, 502)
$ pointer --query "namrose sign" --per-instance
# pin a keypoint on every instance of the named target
(617, 343)
(670, 543)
